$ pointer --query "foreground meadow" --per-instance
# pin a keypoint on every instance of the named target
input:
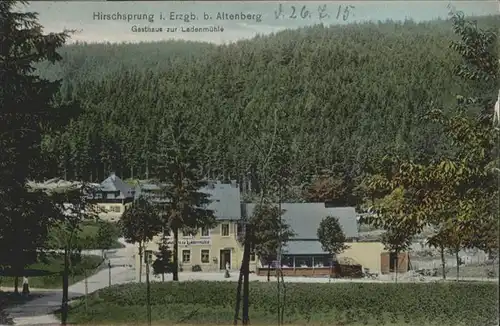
(206, 303)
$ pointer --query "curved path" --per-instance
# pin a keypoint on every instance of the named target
(40, 310)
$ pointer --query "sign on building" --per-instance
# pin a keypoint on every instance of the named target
(192, 242)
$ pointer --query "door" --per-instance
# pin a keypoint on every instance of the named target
(225, 257)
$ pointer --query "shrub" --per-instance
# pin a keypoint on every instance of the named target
(196, 268)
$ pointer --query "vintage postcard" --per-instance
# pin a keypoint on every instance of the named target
(237, 162)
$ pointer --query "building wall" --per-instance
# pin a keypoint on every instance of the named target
(111, 212)
(402, 263)
(367, 254)
(214, 243)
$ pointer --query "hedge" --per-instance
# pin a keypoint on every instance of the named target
(473, 303)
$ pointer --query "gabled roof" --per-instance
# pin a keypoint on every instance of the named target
(225, 198)
(304, 218)
(113, 184)
(302, 247)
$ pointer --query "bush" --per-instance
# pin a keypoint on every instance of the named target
(455, 303)
(196, 268)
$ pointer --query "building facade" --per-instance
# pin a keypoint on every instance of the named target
(210, 249)
(304, 251)
(111, 197)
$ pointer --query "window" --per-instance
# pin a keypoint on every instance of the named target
(148, 256)
(225, 230)
(205, 232)
(287, 261)
(116, 209)
(205, 256)
(303, 261)
(321, 261)
(186, 256)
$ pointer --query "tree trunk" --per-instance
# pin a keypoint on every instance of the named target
(443, 261)
(457, 257)
(148, 292)
(331, 270)
(268, 271)
(140, 262)
(86, 290)
(396, 266)
(64, 310)
(246, 276)
(16, 284)
(175, 252)
(238, 297)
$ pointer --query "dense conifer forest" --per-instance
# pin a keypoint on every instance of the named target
(342, 96)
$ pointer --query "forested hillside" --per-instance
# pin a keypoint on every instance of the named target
(343, 96)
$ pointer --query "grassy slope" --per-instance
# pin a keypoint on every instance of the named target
(90, 229)
(90, 264)
(89, 232)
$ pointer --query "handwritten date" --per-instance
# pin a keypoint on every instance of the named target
(306, 12)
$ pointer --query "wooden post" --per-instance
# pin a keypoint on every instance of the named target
(109, 272)
(86, 290)
(148, 292)
(331, 270)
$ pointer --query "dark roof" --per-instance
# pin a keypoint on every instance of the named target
(302, 247)
(304, 218)
(225, 198)
(113, 183)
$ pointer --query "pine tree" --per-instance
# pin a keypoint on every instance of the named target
(179, 176)
(163, 262)
(26, 111)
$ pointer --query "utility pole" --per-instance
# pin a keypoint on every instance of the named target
(86, 290)
(246, 291)
(278, 268)
(65, 294)
(109, 271)
(148, 292)
(281, 221)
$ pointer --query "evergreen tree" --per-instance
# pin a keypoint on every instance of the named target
(163, 262)
(365, 100)
(26, 112)
(180, 178)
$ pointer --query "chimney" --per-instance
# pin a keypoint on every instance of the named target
(112, 176)
(234, 184)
